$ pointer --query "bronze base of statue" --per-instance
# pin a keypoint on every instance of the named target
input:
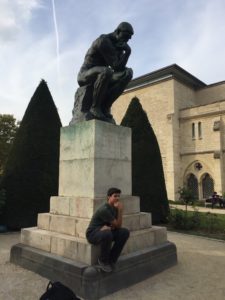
(83, 111)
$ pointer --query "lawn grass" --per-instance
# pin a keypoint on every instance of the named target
(208, 224)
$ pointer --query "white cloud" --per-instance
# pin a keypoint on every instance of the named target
(198, 43)
(13, 15)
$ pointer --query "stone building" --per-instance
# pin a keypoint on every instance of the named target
(188, 118)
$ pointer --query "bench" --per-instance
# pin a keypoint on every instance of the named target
(220, 202)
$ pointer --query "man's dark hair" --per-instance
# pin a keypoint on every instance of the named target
(112, 191)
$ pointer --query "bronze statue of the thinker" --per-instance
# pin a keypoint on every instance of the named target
(103, 75)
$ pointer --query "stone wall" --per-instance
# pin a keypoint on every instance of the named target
(172, 107)
(209, 146)
(158, 102)
(211, 93)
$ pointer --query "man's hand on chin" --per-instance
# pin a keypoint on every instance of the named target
(105, 227)
(118, 205)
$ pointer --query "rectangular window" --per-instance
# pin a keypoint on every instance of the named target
(193, 131)
(199, 130)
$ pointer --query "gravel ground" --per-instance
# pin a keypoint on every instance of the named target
(199, 274)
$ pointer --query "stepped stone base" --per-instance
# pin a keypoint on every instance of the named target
(62, 231)
(77, 226)
(80, 250)
(86, 281)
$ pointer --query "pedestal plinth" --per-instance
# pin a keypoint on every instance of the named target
(94, 156)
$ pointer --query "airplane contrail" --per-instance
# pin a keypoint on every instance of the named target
(57, 39)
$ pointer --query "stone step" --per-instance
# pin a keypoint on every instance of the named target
(84, 207)
(77, 226)
(80, 250)
(86, 281)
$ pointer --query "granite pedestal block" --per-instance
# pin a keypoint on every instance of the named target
(94, 156)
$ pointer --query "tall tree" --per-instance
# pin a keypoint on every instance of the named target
(147, 170)
(8, 128)
(31, 172)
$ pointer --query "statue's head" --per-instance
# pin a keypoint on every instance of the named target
(124, 32)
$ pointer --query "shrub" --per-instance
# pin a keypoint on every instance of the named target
(2, 202)
(186, 195)
(179, 219)
(147, 170)
(31, 173)
(210, 222)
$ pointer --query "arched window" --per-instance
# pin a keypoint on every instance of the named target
(192, 184)
(207, 186)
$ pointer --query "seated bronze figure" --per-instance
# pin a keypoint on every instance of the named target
(103, 75)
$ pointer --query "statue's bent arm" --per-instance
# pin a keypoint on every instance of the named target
(116, 59)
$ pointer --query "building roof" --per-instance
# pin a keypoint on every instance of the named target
(172, 71)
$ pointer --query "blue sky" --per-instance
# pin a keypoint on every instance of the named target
(49, 38)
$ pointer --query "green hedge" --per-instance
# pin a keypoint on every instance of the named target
(31, 173)
(147, 171)
(198, 221)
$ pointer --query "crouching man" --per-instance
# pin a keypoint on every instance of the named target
(105, 229)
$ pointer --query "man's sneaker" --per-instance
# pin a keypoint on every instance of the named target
(104, 267)
(113, 266)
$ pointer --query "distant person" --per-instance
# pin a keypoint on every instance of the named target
(221, 202)
(215, 199)
(105, 228)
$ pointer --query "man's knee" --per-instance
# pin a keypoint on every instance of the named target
(124, 232)
(106, 235)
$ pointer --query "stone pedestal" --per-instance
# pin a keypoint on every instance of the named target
(94, 156)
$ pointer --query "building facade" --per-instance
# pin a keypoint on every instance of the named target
(188, 119)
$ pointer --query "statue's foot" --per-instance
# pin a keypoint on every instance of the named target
(108, 114)
(89, 116)
(111, 120)
(97, 113)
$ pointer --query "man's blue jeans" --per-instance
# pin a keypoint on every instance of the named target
(105, 238)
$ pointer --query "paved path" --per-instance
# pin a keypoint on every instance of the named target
(201, 209)
(199, 274)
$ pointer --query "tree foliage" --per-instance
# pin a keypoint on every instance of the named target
(8, 128)
(31, 172)
(147, 171)
(186, 195)
(2, 201)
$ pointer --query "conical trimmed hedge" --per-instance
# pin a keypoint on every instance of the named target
(147, 170)
(31, 173)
